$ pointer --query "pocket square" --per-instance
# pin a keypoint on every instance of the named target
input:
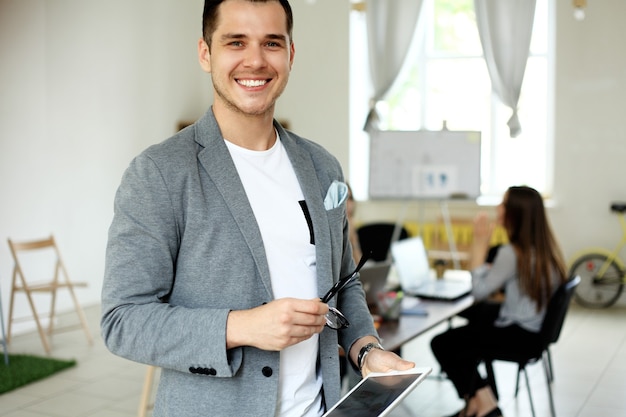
(336, 195)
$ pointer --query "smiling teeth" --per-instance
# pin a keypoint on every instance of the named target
(252, 83)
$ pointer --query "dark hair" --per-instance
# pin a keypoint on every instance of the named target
(210, 17)
(538, 254)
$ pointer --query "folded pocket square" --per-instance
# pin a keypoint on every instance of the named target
(336, 195)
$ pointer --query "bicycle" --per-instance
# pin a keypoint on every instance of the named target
(602, 272)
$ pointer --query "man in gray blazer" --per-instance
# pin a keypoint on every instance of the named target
(226, 235)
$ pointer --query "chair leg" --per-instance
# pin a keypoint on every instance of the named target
(144, 402)
(79, 310)
(547, 367)
(42, 334)
(11, 300)
(53, 300)
(491, 378)
(519, 370)
(530, 397)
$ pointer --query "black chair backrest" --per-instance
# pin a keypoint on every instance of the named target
(376, 237)
(556, 311)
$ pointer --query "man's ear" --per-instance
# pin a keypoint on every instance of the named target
(204, 55)
(292, 53)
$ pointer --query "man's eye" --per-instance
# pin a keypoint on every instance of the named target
(236, 43)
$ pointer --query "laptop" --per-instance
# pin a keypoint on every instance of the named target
(411, 262)
(373, 277)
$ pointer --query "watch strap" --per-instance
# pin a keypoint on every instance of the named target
(365, 350)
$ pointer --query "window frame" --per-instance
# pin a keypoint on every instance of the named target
(490, 191)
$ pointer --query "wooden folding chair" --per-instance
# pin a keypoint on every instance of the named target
(37, 251)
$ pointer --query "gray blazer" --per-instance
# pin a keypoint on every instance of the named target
(184, 249)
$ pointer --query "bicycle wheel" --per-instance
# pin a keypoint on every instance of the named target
(597, 291)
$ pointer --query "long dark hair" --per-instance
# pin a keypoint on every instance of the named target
(538, 254)
(210, 16)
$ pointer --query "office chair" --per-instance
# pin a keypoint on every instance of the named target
(550, 331)
(42, 252)
(376, 237)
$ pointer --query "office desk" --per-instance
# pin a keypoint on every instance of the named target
(394, 334)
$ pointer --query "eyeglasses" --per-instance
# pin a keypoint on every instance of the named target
(334, 318)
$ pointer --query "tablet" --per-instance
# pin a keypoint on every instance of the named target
(378, 393)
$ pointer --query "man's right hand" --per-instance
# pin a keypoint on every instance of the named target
(277, 324)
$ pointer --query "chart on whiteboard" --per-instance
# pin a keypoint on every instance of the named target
(424, 164)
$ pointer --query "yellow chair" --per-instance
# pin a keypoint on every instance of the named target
(36, 254)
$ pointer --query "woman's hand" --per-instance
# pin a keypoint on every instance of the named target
(483, 228)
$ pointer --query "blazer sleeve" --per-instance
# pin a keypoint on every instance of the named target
(138, 322)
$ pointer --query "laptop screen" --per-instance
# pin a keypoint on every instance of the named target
(411, 262)
(373, 278)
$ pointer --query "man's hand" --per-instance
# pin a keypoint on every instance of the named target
(277, 324)
(384, 361)
(378, 360)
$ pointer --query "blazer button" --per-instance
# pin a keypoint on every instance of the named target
(267, 371)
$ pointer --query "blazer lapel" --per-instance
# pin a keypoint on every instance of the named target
(216, 160)
(314, 197)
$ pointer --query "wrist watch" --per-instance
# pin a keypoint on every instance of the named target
(365, 350)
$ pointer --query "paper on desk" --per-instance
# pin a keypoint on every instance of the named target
(411, 307)
(457, 275)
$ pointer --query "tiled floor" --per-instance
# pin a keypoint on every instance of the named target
(589, 363)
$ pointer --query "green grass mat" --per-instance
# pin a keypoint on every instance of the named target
(24, 369)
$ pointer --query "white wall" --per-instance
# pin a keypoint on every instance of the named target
(590, 136)
(85, 85)
(316, 101)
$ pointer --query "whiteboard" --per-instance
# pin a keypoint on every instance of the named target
(424, 164)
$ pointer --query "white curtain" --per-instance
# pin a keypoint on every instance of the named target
(505, 28)
(390, 28)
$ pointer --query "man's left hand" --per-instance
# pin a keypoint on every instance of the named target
(384, 361)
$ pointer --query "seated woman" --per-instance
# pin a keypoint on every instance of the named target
(530, 268)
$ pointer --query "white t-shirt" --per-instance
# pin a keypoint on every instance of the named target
(275, 195)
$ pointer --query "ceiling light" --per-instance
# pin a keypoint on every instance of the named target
(579, 9)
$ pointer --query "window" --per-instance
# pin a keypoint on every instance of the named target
(446, 81)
